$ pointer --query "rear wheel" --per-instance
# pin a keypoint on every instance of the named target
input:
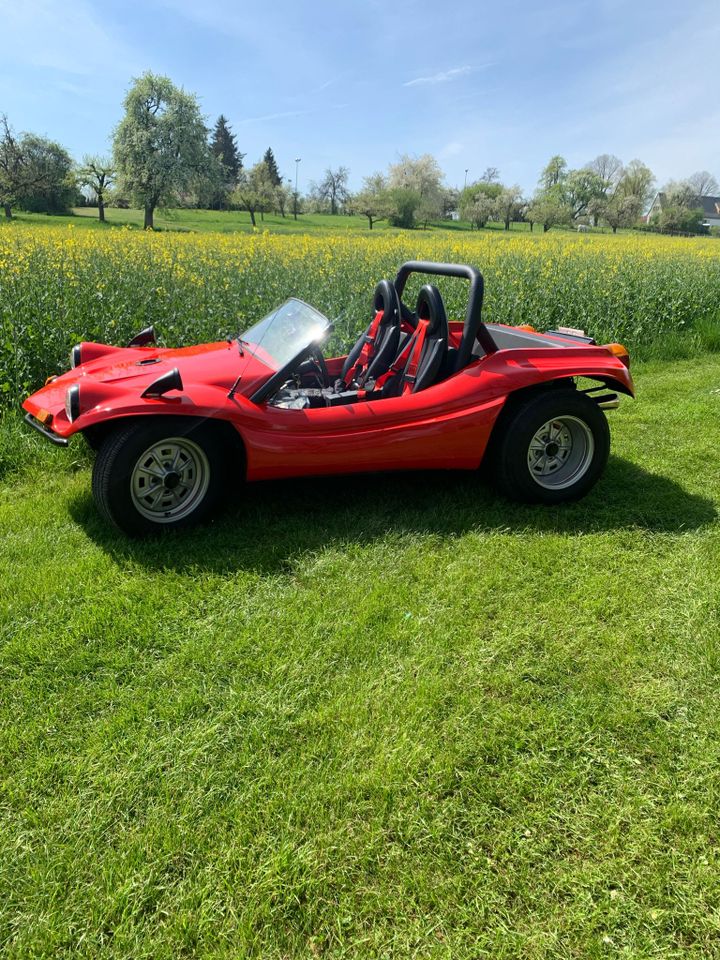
(159, 475)
(553, 448)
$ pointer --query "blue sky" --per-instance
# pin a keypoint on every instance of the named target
(358, 83)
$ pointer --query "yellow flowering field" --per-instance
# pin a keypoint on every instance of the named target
(59, 285)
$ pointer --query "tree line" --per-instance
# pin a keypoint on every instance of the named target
(164, 154)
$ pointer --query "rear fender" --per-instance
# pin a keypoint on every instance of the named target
(523, 369)
(619, 383)
(613, 384)
(568, 383)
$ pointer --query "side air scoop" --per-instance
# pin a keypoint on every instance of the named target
(168, 381)
(143, 338)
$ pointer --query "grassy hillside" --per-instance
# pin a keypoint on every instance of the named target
(393, 716)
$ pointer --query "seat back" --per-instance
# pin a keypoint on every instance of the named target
(422, 358)
(372, 356)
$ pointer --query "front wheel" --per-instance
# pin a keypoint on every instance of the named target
(158, 475)
(553, 448)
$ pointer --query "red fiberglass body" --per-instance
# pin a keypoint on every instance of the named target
(446, 425)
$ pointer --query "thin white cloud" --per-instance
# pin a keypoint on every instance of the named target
(283, 115)
(287, 114)
(328, 83)
(445, 76)
(442, 77)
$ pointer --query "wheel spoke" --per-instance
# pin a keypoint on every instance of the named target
(161, 465)
(560, 452)
(156, 496)
(148, 489)
(170, 479)
(151, 473)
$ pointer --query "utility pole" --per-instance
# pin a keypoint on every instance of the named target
(297, 161)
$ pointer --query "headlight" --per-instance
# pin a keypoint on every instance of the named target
(75, 356)
(72, 402)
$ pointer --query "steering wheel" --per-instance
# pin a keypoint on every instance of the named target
(316, 355)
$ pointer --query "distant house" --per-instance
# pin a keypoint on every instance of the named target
(710, 207)
(711, 210)
(655, 207)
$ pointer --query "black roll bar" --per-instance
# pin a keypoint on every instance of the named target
(473, 328)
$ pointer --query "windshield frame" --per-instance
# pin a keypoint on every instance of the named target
(281, 374)
(256, 349)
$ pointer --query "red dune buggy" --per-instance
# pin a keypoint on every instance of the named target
(176, 430)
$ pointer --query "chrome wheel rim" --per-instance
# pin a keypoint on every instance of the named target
(169, 480)
(560, 453)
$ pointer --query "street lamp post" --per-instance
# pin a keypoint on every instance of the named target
(297, 161)
(466, 173)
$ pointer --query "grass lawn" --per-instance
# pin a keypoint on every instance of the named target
(392, 716)
(215, 221)
(238, 221)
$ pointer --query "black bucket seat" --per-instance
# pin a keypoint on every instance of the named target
(378, 346)
(422, 358)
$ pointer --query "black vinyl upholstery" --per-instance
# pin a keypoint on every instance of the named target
(388, 338)
(432, 358)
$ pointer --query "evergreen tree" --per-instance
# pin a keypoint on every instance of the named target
(271, 164)
(224, 147)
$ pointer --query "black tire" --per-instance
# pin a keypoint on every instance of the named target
(570, 441)
(126, 479)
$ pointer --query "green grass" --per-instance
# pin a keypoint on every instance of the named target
(387, 717)
(238, 221)
(214, 221)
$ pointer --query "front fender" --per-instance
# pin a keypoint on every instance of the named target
(104, 403)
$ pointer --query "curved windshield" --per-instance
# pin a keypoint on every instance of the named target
(285, 332)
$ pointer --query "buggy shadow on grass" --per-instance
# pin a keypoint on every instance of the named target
(275, 522)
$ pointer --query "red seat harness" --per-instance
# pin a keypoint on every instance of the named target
(362, 364)
(408, 359)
